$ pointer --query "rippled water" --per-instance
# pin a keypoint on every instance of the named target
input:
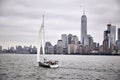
(72, 67)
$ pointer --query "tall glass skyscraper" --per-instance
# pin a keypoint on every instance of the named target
(118, 41)
(64, 40)
(112, 34)
(84, 38)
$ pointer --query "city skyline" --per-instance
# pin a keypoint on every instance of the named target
(69, 44)
(20, 20)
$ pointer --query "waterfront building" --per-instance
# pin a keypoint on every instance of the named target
(19, 49)
(75, 39)
(111, 34)
(118, 41)
(79, 49)
(119, 34)
(55, 49)
(70, 39)
(72, 44)
(11, 50)
(65, 42)
(109, 41)
(90, 38)
(118, 45)
(49, 49)
(0, 49)
(90, 42)
(101, 48)
(59, 48)
(71, 48)
(34, 50)
(106, 41)
(26, 50)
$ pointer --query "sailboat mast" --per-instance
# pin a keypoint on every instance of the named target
(43, 37)
(39, 45)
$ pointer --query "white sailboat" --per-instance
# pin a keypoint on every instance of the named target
(41, 42)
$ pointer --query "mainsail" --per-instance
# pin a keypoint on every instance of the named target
(41, 41)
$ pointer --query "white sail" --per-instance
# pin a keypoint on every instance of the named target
(41, 41)
(43, 37)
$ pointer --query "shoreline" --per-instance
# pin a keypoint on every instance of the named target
(103, 54)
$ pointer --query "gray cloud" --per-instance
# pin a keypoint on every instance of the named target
(20, 20)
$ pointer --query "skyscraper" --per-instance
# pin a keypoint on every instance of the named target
(0, 49)
(49, 49)
(84, 38)
(75, 39)
(69, 38)
(64, 40)
(111, 34)
(119, 34)
(106, 41)
(59, 47)
(109, 38)
(118, 41)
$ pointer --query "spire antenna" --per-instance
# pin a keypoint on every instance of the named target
(110, 21)
(43, 19)
(83, 10)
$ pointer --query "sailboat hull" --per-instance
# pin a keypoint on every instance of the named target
(47, 65)
(43, 65)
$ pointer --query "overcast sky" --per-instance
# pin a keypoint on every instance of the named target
(20, 20)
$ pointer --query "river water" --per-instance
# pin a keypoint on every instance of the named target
(72, 67)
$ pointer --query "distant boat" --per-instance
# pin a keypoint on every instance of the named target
(41, 42)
